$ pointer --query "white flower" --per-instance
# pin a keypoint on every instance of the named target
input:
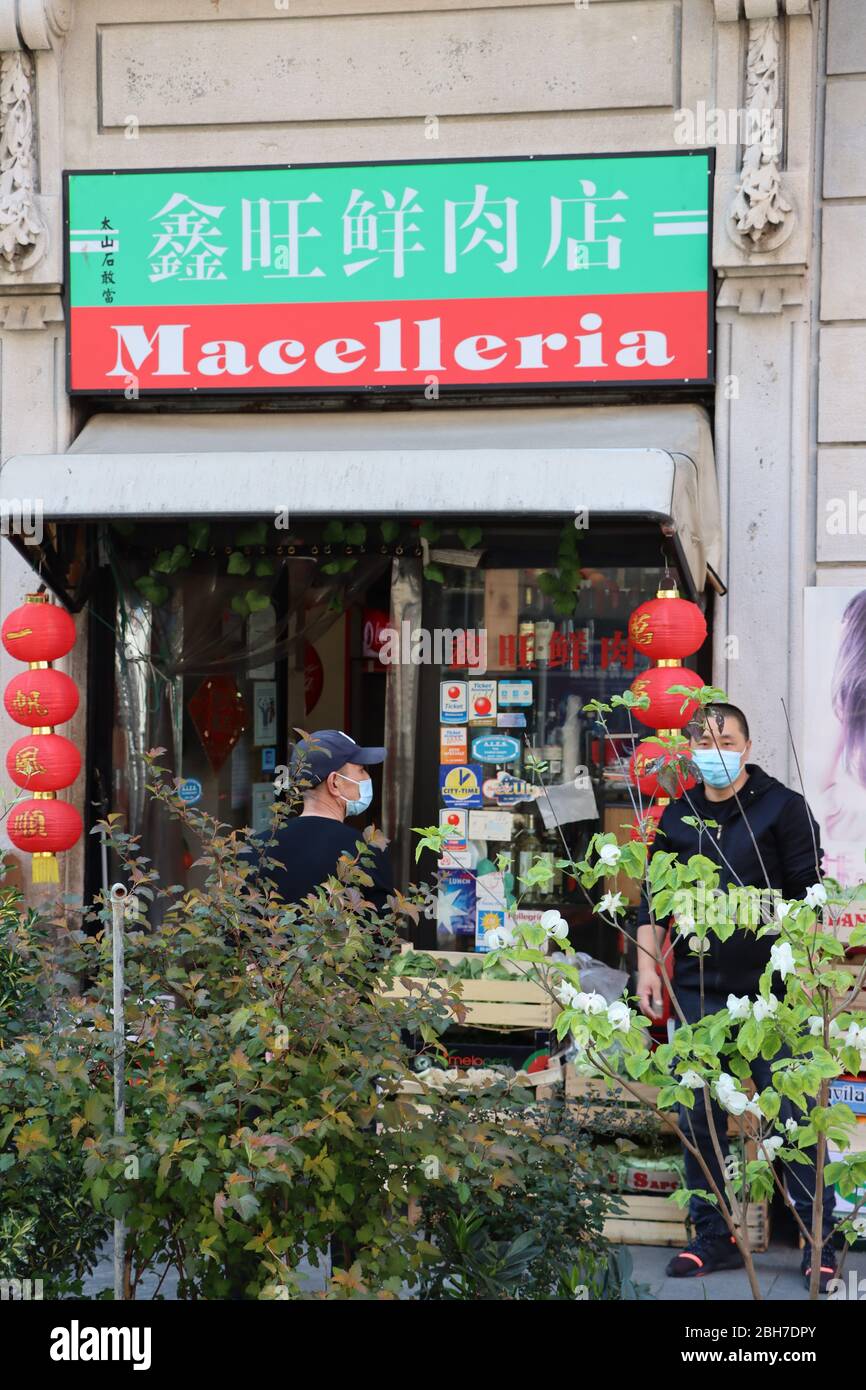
(693, 1079)
(816, 896)
(856, 1036)
(782, 958)
(554, 924)
(610, 902)
(769, 1147)
(738, 1007)
(734, 1102)
(816, 1027)
(590, 1003)
(783, 909)
(765, 1008)
(725, 1083)
(566, 994)
(610, 855)
(791, 1126)
(685, 923)
(619, 1014)
(495, 937)
(859, 1224)
(696, 943)
(753, 1108)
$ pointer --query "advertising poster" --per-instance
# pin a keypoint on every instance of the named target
(834, 752)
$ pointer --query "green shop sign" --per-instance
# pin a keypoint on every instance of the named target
(560, 271)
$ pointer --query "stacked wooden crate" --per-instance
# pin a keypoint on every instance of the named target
(503, 1005)
(654, 1220)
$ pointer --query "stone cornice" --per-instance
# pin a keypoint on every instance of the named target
(761, 292)
(728, 11)
(30, 310)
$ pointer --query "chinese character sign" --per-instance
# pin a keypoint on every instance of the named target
(511, 272)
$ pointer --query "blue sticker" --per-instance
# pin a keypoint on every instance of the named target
(190, 791)
(269, 759)
(495, 748)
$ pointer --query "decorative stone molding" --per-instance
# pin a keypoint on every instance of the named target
(730, 10)
(761, 294)
(760, 211)
(26, 26)
(30, 311)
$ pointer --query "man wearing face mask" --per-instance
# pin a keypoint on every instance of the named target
(762, 835)
(331, 770)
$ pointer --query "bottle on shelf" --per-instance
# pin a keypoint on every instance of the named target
(526, 635)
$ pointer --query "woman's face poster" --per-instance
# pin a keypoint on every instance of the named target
(835, 726)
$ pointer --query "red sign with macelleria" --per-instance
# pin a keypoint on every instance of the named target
(560, 271)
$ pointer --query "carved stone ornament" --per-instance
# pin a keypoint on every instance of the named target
(25, 27)
(23, 232)
(760, 210)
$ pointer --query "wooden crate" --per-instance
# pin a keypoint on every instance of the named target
(500, 1004)
(656, 1221)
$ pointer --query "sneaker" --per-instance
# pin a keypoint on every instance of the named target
(704, 1255)
(828, 1266)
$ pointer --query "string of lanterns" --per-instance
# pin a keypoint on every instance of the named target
(42, 762)
(666, 628)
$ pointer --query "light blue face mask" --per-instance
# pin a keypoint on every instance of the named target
(719, 767)
(365, 795)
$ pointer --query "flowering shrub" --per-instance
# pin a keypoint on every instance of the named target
(809, 1017)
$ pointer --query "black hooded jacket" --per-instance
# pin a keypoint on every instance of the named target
(787, 837)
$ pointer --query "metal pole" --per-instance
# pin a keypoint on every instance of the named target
(118, 907)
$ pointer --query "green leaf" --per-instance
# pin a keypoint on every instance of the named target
(264, 567)
(469, 536)
(238, 563)
(257, 600)
(240, 605)
(428, 531)
(434, 574)
(254, 534)
(334, 531)
(390, 531)
(199, 535)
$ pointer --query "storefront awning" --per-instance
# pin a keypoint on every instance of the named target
(646, 461)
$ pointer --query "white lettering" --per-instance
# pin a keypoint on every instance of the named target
(470, 353)
(169, 344)
(224, 358)
(333, 356)
(532, 349)
(643, 349)
(282, 356)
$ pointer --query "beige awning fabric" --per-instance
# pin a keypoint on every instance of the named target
(654, 461)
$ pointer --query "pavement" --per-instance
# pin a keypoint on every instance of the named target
(778, 1272)
(778, 1276)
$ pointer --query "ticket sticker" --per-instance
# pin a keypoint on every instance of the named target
(482, 699)
(452, 702)
(453, 745)
(455, 823)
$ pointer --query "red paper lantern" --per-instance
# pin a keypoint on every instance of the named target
(665, 709)
(43, 762)
(649, 751)
(644, 827)
(667, 627)
(44, 827)
(38, 631)
(41, 698)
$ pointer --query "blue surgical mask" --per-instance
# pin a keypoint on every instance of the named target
(365, 795)
(719, 767)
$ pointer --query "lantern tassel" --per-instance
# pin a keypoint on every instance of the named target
(45, 868)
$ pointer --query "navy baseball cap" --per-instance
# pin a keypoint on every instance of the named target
(327, 751)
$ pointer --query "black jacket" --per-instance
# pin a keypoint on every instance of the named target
(783, 827)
